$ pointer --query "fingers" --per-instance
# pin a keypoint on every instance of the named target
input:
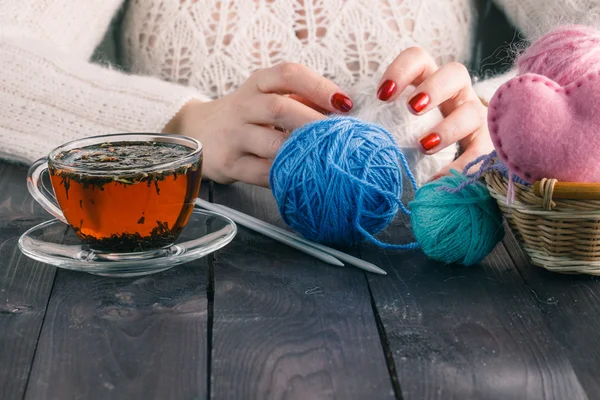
(462, 122)
(260, 141)
(448, 88)
(290, 78)
(480, 145)
(252, 170)
(309, 103)
(412, 66)
(280, 111)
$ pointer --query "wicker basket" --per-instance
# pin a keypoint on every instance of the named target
(558, 229)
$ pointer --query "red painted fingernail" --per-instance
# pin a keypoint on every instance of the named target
(386, 90)
(341, 102)
(419, 102)
(430, 141)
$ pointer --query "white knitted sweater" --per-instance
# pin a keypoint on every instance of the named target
(183, 49)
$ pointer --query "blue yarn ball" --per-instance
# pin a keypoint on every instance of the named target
(462, 227)
(338, 181)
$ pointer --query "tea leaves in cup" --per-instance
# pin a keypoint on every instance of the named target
(123, 203)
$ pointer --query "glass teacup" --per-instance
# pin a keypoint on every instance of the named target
(121, 193)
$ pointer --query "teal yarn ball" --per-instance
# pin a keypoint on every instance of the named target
(461, 227)
(338, 181)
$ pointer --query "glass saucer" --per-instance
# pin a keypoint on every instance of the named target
(52, 242)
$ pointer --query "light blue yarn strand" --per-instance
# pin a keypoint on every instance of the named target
(408, 246)
(489, 162)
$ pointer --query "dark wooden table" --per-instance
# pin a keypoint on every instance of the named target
(258, 320)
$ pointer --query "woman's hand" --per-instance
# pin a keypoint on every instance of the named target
(242, 132)
(448, 88)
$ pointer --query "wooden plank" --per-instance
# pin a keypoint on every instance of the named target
(135, 338)
(286, 325)
(109, 338)
(570, 307)
(466, 332)
(25, 285)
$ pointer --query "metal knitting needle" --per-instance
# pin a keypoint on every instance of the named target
(357, 262)
(244, 220)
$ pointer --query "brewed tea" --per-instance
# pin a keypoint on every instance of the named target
(119, 209)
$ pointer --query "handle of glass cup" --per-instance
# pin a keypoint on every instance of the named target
(40, 192)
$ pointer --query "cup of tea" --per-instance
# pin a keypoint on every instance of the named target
(121, 193)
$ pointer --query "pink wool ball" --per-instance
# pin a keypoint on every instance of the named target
(563, 55)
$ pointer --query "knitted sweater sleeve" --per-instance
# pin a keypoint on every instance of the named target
(534, 18)
(49, 91)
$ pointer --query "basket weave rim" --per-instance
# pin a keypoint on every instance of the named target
(543, 205)
(550, 214)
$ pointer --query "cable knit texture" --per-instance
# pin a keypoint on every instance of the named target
(214, 45)
(183, 49)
